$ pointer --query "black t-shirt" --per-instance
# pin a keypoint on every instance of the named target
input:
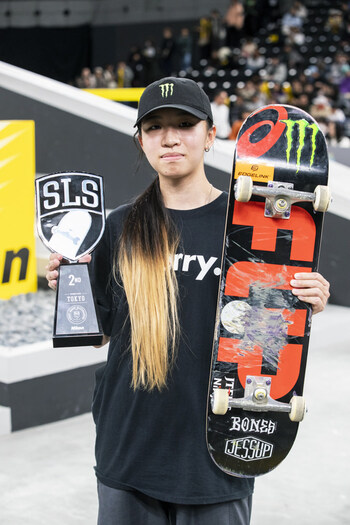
(155, 442)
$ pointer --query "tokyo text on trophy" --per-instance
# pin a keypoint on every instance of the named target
(71, 221)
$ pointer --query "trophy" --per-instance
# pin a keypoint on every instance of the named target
(71, 221)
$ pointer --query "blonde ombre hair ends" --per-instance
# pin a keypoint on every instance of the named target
(147, 246)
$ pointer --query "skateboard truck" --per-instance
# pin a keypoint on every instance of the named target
(280, 196)
(257, 399)
(280, 199)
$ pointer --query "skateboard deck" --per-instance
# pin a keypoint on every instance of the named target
(277, 200)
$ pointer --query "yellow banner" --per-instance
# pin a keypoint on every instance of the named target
(17, 208)
(118, 94)
(258, 172)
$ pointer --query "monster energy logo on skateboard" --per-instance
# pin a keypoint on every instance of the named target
(302, 125)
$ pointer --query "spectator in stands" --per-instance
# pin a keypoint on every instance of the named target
(222, 57)
(329, 90)
(300, 10)
(314, 73)
(320, 107)
(255, 102)
(344, 7)
(221, 114)
(204, 37)
(100, 81)
(237, 108)
(136, 64)
(256, 61)
(249, 47)
(234, 19)
(297, 88)
(302, 102)
(337, 114)
(184, 44)
(251, 94)
(124, 75)
(236, 125)
(86, 80)
(167, 52)
(252, 20)
(346, 18)
(276, 70)
(344, 86)
(218, 31)
(292, 57)
(278, 95)
(291, 19)
(150, 62)
(338, 68)
(335, 135)
(295, 37)
(335, 22)
(109, 75)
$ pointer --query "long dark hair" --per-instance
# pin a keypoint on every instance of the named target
(145, 263)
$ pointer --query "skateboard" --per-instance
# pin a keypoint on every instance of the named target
(277, 199)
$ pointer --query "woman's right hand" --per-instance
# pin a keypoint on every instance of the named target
(55, 260)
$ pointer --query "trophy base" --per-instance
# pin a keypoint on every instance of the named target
(76, 321)
(61, 341)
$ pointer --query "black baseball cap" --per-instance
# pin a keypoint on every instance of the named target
(173, 92)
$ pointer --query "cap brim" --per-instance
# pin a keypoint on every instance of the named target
(196, 112)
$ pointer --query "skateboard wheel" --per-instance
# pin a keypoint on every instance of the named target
(220, 401)
(243, 188)
(297, 412)
(322, 198)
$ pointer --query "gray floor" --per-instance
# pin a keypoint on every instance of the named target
(46, 474)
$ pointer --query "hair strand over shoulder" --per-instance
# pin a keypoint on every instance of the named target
(144, 262)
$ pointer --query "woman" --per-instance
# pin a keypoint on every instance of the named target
(155, 275)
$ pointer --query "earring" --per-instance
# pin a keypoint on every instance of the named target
(207, 149)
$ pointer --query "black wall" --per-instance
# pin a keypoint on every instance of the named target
(58, 53)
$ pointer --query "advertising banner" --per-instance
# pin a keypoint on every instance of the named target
(18, 273)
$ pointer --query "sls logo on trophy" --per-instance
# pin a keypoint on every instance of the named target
(70, 212)
(71, 221)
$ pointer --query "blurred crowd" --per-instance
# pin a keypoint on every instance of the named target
(258, 52)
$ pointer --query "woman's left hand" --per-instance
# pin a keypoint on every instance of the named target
(311, 288)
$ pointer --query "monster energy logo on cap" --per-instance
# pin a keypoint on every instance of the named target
(178, 93)
(302, 126)
(167, 90)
